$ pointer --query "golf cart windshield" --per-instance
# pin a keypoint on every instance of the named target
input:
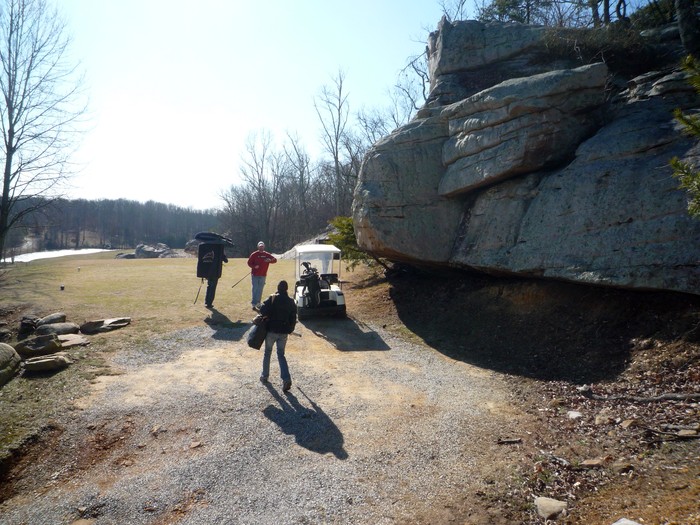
(324, 257)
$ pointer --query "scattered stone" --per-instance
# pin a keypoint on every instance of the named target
(687, 433)
(573, 414)
(5, 334)
(9, 363)
(27, 325)
(58, 328)
(622, 467)
(104, 325)
(625, 521)
(58, 317)
(69, 340)
(195, 444)
(49, 363)
(549, 508)
(38, 346)
(506, 441)
(593, 463)
(604, 417)
(629, 423)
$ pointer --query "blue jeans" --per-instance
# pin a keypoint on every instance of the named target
(270, 340)
(258, 285)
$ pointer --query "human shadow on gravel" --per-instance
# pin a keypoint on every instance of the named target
(224, 328)
(346, 334)
(311, 427)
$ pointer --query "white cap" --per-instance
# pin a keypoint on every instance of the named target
(261, 243)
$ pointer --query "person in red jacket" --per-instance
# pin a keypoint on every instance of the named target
(259, 261)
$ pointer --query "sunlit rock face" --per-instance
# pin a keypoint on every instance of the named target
(548, 174)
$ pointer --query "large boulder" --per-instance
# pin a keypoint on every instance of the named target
(57, 317)
(39, 345)
(612, 216)
(47, 363)
(57, 328)
(9, 363)
(104, 325)
(147, 251)
(27, 325)
(546, 175)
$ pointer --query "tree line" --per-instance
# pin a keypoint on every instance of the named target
(104, 223)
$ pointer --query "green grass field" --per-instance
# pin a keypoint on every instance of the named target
(158, 293)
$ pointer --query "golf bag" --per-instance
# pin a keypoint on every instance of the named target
(209, 260)
(311, 282)
(213, 238)
(256, 335)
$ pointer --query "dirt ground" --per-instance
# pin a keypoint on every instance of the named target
(629, 362)
(552, 339)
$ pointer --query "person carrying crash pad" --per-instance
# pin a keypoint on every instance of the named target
(209, 265)
(280, 312)
(259, 261)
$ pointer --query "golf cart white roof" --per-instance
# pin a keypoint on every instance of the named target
(317, 248)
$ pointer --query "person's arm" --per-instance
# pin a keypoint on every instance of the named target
(252, 262)
(265, 308)
(270, 258)
(292, 316)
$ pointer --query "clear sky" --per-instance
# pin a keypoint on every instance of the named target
(176, 86)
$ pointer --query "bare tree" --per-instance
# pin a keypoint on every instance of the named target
(39, 111)
(298, 185)
(453, 9)
(333, 111)
(260, 172)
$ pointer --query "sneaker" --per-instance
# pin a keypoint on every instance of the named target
(263, 379)
(256, 307)
(286, 386)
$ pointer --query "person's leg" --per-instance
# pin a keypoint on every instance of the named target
(256, 293)
(211, 291)
(284, 368)
(269, 341)
(262, 287)
(258, 285)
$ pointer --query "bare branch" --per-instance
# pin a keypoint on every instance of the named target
(40, 109)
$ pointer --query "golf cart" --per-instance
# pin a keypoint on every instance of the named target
(318, 287)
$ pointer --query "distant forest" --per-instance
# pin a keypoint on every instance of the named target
(116, 224)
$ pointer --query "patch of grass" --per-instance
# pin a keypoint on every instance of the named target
(157, 294)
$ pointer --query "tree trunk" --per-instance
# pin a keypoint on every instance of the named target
(594, 13)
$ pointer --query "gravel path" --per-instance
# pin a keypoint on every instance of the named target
(375, 430)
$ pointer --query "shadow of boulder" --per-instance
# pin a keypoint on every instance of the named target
(545, 330)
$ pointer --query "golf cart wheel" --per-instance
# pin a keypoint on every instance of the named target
(342, 312)
(303, 313)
